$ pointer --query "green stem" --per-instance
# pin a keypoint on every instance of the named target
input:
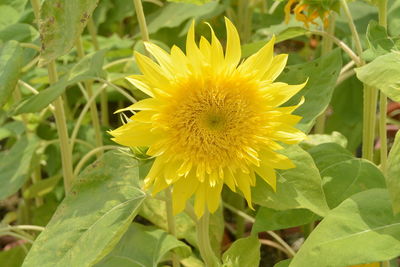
(59, 114)
(93, 108)
(370, 95)
(171, 222)
(240, 221)
(61, 124)
(382, 6)
(142, 21)
(327, 45)
(203, 240)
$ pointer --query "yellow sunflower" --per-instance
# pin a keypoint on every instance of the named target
(210, 119)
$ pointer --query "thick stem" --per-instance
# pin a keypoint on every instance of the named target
(327, 44)
(370, 95)
(93, 108)
(171, 222)
(142, 21)
(382, 6)
(59, 114)
(203, 240)
(61, 124)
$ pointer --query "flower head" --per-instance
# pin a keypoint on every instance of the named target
(211, 120)
(307, 11)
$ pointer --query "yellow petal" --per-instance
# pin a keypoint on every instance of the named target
(178, 57)
(229, 179)
(276, 68)
(214, 196)
(193, 53)
(267, 174)
(183, 189)
(217, 53)
(205, 48)
(163, 58)
(145, 104)
(154, 172)
(277, 94)
(159, 185)
(260, 62)
(287, 134)
(275, 160)
(135, 134)
(152, 72)
(200, 200)
(144, 116)
(233, 50)
(243, 181)
(138, 82)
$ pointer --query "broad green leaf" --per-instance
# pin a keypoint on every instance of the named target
(322, 74)
(144, 246)
(93, 217)
(192, 261)
(19, 32)
(18, 5)
(383, 73)
(269, 219)
(344, 175)
(393, 175)
(87, 68)
(10, 65)
(197, 2)
(154, 211)
(378, 40)
(61, 23)
(243, 252)
(15, 163)
(284, 263)
(347, 114)
(8, 15)
(362, 229)
(13, 257)
(174, 14)
(297, 188)
(317, 139)
(289, 33)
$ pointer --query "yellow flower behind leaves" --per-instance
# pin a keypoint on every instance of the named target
(307, 11)
(211, 119)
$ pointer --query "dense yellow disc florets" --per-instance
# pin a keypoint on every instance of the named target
(209, 120)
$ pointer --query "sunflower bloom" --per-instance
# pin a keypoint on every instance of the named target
(307, 11)
(211, 120)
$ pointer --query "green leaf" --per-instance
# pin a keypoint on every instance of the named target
(383, 73)
(243, 252)
(297, 188)
(344, 175)
(317, 139)
(19, 32)
(174, 14)
(269, 219)
(197, 2)
(393, 174)
(362, 229)
(284, 263)
(378, 40)
(8, 15)
(144, 246)
(154, 211)
(10, 65)
(14, 167)
(13, 257)
(322, 74)
(18, 5)
(61, 23)
(87, 68)
(93, 217)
